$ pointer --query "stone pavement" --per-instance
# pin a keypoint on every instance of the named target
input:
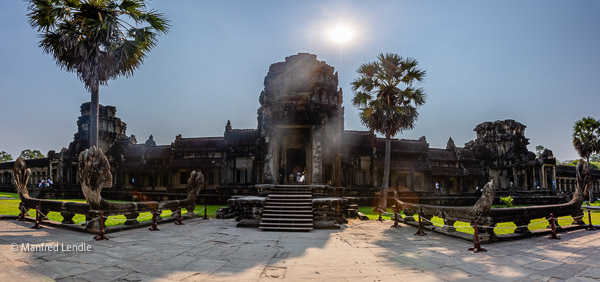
(216, 250)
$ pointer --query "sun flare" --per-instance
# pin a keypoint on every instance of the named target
(341, 34)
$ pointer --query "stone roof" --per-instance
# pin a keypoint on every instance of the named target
(135, 151)
(441, 155)
(204, 144)
(465, 155)
(403, 146)
(357, 142)
(509, 124)
(567, 170)
(241, 137)
(158, 152)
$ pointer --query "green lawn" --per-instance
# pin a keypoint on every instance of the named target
(11, 207)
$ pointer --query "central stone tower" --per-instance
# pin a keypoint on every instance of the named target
(300, 121)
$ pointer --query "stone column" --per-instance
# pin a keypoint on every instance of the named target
(269, 169)
(317, 155)
(515, 178)
(543, 182)
(554, 177)
(412, 180)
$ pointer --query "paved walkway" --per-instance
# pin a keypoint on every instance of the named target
(216, 250)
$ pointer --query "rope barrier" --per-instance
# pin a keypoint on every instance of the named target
(198, 213)
(545, 220)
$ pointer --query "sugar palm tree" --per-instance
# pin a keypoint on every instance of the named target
(97, 39)
(388, 101)
(586, 140)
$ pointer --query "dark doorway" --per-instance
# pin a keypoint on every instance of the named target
(295, 161)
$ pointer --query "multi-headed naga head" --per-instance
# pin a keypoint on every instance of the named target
(21, 176)
(94, 175)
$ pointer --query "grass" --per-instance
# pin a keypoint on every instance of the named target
(11, 207)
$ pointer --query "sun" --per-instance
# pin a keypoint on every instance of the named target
(341, 34)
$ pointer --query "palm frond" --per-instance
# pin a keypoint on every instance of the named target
(95, 39)
(384, 94)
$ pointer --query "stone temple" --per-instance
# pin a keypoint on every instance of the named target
(301, 132)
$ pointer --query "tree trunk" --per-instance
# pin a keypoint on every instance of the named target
(386, 174)
(94, 109)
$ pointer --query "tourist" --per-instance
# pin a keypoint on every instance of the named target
(302, 178)
(537, 184)
(437, 187)
(298, 175)
(42, 183)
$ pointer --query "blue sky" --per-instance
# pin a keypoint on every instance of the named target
(532, 61)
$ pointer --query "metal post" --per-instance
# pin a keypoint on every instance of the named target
(420, 231)
(154, 226)
(37, 218)
(395, 217)
(205, 210)
(100, 235)
(178, 221)
(476, 244)
(553, 235)
(590, 225)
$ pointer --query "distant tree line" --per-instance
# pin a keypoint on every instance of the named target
(27, 154)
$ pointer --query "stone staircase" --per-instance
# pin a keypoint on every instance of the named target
(288, 208)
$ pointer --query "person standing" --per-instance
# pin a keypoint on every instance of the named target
(281, 174)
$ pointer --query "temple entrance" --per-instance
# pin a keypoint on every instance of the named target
(295, 163)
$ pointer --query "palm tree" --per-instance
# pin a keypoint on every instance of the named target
(388, 102)
(586, 140)
(97, 39)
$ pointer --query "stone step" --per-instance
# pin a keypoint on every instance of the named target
(284, 216)
(297, 203)
(272, 228)
(286, 224)
(290, 199)
(288, 207)
(280, 211)
(289, 196)
(292, 186)
(275, 221)
(282, 192)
